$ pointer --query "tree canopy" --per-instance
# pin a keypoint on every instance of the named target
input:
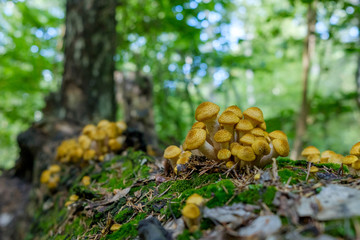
(247, 53)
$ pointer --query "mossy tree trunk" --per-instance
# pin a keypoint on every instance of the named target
(87, 92)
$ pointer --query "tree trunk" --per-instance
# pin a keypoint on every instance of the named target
(309, 47)
(357, 79)
(87, 92)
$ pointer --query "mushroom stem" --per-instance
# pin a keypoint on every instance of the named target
(308, 171)
(268, 158)
(208, 151)
(213, 126)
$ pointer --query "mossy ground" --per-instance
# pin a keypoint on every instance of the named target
(148, 197)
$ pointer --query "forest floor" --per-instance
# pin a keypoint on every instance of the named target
(272, 203)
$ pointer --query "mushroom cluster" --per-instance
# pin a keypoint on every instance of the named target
(234, 137)
(94, 143)
(313, 155)
(51, 176)
(192, 211)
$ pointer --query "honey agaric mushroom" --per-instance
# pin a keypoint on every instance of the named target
(111, 130)
(54, 168)
(223, 137)
(349, 159)
(196, 139)
(199, 125)
(229, 164)
(278, 134)
(86, 180)
(228, 120)
(356, 165)
(312, 155)
(235, 109)
(310, 150)
(45, 176)
(279, 147)
(248, 139)
(313, 158)
(103, 123)
(224, 154)
(261, 148)
(172, 153)
(89, 129)
(257, 132)
(246, 154)
(235, 149)
(196, 199)
(314, 169)
(207, 113)
(191, 215)
(254, 115)
(325, 155)
(243, 127)
(336, 158)
(84, 141)
(114, 144)
(355, 150)
(262, 126)
(115, 227)
(89, 154)
(182, 161)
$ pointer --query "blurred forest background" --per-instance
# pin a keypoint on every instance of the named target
(243, 52)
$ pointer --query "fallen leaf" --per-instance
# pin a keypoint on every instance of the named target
(262, 226)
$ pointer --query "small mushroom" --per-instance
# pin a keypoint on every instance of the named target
(84, 141)
(172, 153)
(121, 127)
(279, 147)
(278, 134)
(54, 168)
(86, 180)
(254, 115)
(242, 127)
(235, 149)
(223, 137)
(182, 161)
(89, 129)
(246, 155)
(196, 139)
(229, 164)
(224, 155)
(355, 150)
(235, 109)
(312, 155)
(89, 154)
(325, 155)
(207, 113)
(196, 199)
(261, 148)
(228, 120)
(248, 139)
(314, 169)
(192, 216)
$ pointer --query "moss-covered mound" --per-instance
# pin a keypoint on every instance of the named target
(131, 187)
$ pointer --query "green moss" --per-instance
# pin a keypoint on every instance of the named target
(206, 224)
(124, 215)
(186, 235)
(343, 228)
(127, 230)
(254, 193)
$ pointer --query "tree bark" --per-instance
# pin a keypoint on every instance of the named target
(309, 47)
(357, 79)
(87, 92)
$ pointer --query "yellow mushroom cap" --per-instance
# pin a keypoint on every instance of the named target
(327, 154)
(115, 227)
(45, 176)
(224, 154)
(254, 114)
(310, 150)
(114, 144)
(172, 151)
(247, 139)
(89, 129)
(355, 150)
(195, 138)
(199, 125)
(257, 132)
(84, 141)
(103, 123)
(74, 197)
(349, 159)
(195, 199)
(244, 125)
(54, 168)
(86, 180)
(222, 136)
(206, 110)
(184, 157)
(313, 158)
(98, 135)
(235, 109)
(356, 165)
(262, 126)
(314, 169)
(230, 164)
(236, 149)
(281, 146)
(191, 211)
(336, 158)
(233, 144)
(89, 154)
(246, 154)
(111, 130)
(261, 147)
(68, 203)
(278, 134)
(228, 118)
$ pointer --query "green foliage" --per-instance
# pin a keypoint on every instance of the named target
(127, 230)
